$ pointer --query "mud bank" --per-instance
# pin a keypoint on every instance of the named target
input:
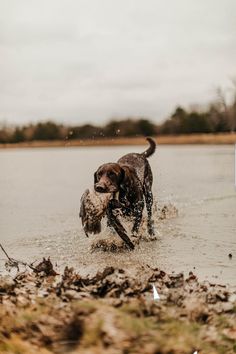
(114, 312)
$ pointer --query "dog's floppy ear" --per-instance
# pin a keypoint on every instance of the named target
(95, 177)
(121, 175)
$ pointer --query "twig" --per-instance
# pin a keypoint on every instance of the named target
(5, 252)
(15, 263)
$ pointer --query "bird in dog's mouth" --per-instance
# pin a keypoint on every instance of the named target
(92, 209)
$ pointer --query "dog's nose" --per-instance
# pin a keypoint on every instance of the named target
(100, 189)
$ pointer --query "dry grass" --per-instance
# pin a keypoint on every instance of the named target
(217, 139)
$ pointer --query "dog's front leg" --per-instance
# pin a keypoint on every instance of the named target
(138, 213)
(116, 224)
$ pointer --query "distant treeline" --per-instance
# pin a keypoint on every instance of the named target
(219, 117)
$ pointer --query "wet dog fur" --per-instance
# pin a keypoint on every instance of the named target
(130, 181)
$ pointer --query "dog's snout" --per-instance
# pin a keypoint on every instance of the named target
(100, 189)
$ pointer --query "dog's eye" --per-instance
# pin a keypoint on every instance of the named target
(111, 174)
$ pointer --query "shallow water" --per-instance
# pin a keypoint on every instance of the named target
(40, 194)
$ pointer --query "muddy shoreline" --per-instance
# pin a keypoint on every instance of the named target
(114, 312)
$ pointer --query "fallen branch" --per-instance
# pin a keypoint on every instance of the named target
(14, 263)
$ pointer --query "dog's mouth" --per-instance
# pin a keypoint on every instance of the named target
(102, 189)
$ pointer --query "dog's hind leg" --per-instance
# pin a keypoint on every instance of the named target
(149, 203)
(147, 190)
(137, 217)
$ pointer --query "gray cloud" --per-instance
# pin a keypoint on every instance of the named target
(80, 61)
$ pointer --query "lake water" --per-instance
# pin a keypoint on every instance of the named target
(40, 193)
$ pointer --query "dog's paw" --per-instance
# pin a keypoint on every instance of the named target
(152, 237)
(135, 238)
(150, 227)
(135, 234)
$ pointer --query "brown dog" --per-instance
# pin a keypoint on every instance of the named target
(130, 181)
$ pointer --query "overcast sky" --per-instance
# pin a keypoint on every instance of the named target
(88, 61)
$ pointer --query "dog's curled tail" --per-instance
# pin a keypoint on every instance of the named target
(151, 149)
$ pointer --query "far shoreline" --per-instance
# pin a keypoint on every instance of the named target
(190, 139)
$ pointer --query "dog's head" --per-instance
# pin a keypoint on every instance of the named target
(108, 178)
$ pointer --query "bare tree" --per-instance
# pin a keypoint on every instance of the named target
(232, 110)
